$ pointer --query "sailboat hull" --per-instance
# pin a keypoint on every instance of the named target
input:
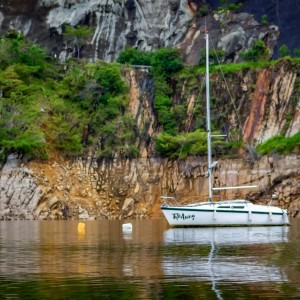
(231, 214)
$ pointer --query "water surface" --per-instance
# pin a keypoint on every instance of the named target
(52, 260)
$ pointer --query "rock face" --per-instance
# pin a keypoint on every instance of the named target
(114, 24)
(19, 193)
(145, 25)
(271, 101)
(122, 188)
(265, 101)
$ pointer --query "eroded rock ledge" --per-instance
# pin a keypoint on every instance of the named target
(119, 189)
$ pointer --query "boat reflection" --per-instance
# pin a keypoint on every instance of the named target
(226, 235)
(223, 254)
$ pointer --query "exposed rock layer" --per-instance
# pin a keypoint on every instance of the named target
(132, 188)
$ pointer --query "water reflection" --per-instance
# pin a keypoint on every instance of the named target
(55, 261)
(59, 248)
(227, 235)
(219, 264)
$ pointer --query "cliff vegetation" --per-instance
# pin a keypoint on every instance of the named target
(81, 106)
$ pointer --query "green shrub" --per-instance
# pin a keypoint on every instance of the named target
(280, 144)
(264, 20)
(297, 52)
(258, 51)
(110, 82)
(133, 56)
(284, 51)
(104, 94)
(105, 152)
(228, 7)
(203, 10)
(166, 61)
(78, 34)
(64, 132)
(163, 109)
(14, 49)
(168, 145)
(34, 55)
(182, 145)
(25, 141)
(131, 151)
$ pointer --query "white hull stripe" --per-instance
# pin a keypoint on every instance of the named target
(222, 210)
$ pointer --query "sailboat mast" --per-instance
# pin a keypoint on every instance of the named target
(209, 156)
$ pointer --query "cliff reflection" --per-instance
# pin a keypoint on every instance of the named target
(52, 260)
(104, 250)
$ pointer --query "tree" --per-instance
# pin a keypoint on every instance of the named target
(264, 20)
(297, 52)
(259, 51)
(79, 34)
(15, 49)
(227, 6)
(203, 10)
(133, 56)
(110, 82)
(166, 61)
(284, 50)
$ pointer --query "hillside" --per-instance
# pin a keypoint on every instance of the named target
(85, 138)
(99, 140)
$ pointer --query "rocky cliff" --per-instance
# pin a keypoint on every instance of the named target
(87, 188)
(83, 189)
(149, 25)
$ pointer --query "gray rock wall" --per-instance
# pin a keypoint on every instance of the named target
(114, 25)
(121, 189)
(145, 25)
(19, 192)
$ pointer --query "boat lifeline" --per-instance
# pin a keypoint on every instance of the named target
(222, 213)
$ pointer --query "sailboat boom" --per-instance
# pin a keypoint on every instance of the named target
(234, 187)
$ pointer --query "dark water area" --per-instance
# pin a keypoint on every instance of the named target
(53, 260)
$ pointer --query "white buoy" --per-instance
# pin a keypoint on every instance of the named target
(127, 227)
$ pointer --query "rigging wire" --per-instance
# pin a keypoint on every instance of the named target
(235, 110)
(189, 125)
(232, 101)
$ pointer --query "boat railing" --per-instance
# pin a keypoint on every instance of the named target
(169, 200)
(172, 201)
(196, 199)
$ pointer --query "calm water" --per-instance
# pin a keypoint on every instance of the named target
(51, 260)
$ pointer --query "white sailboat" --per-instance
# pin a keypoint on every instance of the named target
(223, 213)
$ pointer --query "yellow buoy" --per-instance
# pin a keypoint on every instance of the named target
(81, 228)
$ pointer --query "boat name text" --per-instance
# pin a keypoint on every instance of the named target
(178, 216)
